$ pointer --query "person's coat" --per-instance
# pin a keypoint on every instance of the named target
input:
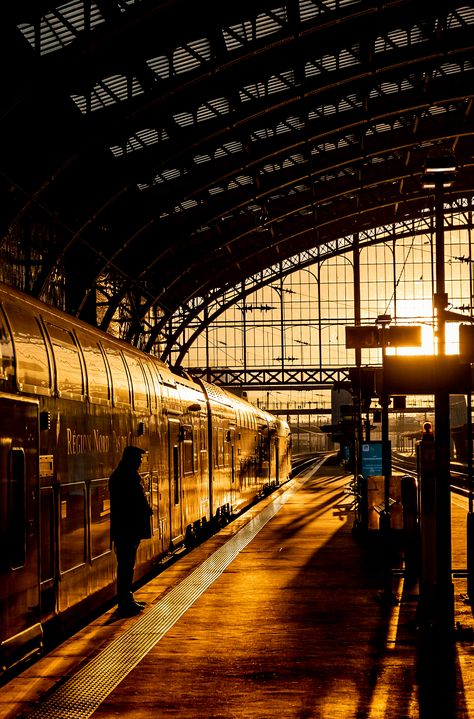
(129, 509)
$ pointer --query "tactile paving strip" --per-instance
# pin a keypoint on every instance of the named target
(81, 695)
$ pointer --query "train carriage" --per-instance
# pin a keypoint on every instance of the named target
(72, 398)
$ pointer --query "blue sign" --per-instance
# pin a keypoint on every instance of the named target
(371, 459)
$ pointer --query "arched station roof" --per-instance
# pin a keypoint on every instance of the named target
(165, 151)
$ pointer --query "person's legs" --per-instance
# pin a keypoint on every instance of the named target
(126, 556)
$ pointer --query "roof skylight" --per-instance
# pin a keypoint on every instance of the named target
(310, 9)
(140, 140)
(237, 36)
(60, 26)
(183, 59)
(109, 91)
(274, 84)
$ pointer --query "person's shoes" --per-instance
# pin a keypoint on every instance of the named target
(130, 610)
(140, 604)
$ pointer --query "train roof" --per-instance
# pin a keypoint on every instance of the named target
(37, 306)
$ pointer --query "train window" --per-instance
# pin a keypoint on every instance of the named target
(120, 382)
(139, 386)
(6, 350)
(153, 496)
(17, 509)
(220, 447)
(167, 378)
(227, 446)
(202, 438)
(196, 446)
(47, 534)
(175, 465)
(69, 377)
(32, 362)
(154, 385)
(188, 457)
(100, 517)
(97, 375)
(72, 527)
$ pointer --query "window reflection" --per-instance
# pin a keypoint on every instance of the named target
(72, 526)
(121, 386)
(69, 377)
(140, 390)
(97, 377)
(100, 517)
(17, 509)
(47, 533)
(33, 370)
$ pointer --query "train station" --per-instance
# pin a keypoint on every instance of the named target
(236, 344)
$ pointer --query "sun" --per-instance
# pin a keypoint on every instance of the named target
(421, 312)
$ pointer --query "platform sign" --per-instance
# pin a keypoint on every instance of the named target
(371, 459)
(362, 336)
(370, 336)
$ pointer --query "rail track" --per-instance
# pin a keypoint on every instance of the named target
(460, 481)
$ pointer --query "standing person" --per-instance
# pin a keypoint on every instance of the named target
(129, 523)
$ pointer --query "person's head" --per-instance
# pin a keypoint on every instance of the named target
(132, 456)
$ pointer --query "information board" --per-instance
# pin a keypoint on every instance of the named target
(371, 459)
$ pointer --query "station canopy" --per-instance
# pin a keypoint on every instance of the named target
(158, 152)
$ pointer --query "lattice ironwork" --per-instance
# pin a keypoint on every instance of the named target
(292, 378)
(221, 149)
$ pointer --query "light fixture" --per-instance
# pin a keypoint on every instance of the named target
(437, 164)
(439, 171)
(429, 182)
(383, 320)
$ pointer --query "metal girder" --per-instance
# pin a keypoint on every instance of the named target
(294, 378)
(215, 304)
(168, 153)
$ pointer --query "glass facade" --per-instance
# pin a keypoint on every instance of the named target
(299, 319)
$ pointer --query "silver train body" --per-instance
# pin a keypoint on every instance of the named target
(71, 399)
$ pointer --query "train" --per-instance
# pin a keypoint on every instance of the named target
(71, 398)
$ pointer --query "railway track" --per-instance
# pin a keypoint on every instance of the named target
(460, 483)
(302, 462)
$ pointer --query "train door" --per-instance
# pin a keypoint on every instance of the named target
(276, 442)
(176, 507)
(264, 452)
(20, 628)
(234, 488)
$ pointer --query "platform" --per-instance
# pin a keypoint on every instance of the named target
(280, 615)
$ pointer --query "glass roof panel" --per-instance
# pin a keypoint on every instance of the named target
(140, 140)
(185, 205)
(461, 15)
(275, 84)
(192, 55)
(109, 91)
(240, 181)
(166, 175)
(452, 68)
(213, 108)
(201, 159)
(160, 65)
(61, 26)
(183, 119)
(309, 9)
(237, 36)
(228, 148)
